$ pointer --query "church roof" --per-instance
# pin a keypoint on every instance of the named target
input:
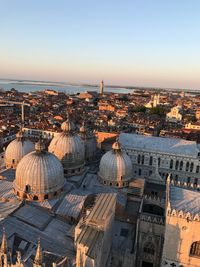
(185, 200)
(173, 146)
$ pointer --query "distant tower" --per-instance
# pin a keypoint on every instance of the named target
(156, 100)
(101, 87)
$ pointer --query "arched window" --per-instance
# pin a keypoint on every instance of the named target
(195, 249)
(150, 160)
(197, 169)
(171, 164)
(27, 188)
(158, 162)
(181, 165)
(177, 164)
(142, 159)
(138, 159)
(191, 167)
(187, 166)
(149, 248)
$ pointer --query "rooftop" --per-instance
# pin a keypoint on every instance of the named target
(159, 144)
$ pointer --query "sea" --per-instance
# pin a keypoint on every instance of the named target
(33, 86)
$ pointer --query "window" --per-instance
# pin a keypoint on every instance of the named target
(138, 159)
(35, 198)
(181, 165)
(197, 169)
(142, 159)
(191, 167)
(171, 164)
(45, 196)
(187, 166)
(27, 188)
(195, 249)
(177, 164)
(158, 162)
(150, 160)
(139, 172)
(149, 248)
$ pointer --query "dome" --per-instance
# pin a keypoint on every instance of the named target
(70, 150)
(115, 167)
(39, 175)
(17, 149)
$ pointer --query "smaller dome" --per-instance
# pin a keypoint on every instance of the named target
(17, 149)
(115, 167)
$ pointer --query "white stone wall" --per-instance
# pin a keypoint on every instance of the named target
(181, 169)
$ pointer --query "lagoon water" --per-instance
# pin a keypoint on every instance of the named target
(32, 86)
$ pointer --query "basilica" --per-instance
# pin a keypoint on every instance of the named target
(65, 203)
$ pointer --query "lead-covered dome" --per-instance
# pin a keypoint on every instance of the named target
(69, 148)
(115, 167)
(39, 175)
(17, 149)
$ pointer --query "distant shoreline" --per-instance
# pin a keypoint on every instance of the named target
(64, 84)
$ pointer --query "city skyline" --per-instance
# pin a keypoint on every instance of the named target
(138, 43)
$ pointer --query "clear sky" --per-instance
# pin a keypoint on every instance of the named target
(136, 42)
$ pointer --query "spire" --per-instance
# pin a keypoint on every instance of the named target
(4, 243)
(168, 206)
(38, 255)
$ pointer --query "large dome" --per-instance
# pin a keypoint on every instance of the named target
(39, 175)
(70, 150)
(115, 167)
(17, 149)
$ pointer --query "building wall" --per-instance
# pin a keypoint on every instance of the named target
(179, 236)
(152, 235)
(183, 169)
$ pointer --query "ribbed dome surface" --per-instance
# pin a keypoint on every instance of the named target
(16, 150)
(115, 167)
(69, 148)
(40, 172)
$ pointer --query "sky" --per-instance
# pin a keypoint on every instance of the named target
(136, 42)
